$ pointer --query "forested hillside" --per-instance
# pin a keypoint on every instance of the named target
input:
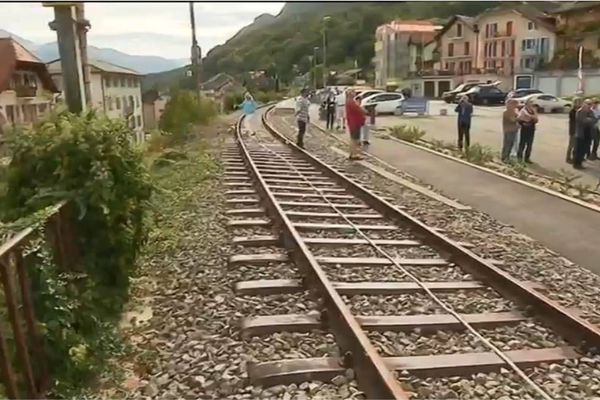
(283, 44)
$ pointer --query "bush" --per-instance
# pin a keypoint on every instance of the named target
(232, 101)
(184, 110)
(91, 162)
(478, 154)
(408, 133)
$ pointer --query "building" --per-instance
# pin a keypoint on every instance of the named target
(392, 55)
(422, 52)
(578, 25)
(459, 45)
(114, 90)
(153, 107)
(514, 40)
(220, 84)
(26, 88)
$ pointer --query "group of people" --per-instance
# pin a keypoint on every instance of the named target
(346, 109)
(584, 132)
(519, 126)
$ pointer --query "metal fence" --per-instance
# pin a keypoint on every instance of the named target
(23, 364)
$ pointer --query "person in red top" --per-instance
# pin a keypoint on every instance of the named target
(355, 118)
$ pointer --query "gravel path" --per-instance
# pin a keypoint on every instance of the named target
(191, 347)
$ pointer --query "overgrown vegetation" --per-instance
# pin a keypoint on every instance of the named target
(409, 133)
(91, 162)
(478, 154)
(184, 110)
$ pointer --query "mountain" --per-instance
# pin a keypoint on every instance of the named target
(143, 64)
(283, 44)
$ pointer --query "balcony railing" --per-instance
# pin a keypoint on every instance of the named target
(499, 35)
(25, 91)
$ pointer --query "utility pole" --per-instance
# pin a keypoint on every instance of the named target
(325, 19)
(315, 49)
(196, 52)
(66, 26)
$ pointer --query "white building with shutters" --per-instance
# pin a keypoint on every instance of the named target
(114, 90)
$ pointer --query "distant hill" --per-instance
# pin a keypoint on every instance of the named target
(143, 64)
(280, 43)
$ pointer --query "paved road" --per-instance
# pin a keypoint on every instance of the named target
(564, 227)
(548, 149)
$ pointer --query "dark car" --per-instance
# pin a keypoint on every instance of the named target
(485, 94)
(517, 94)
(453, 95)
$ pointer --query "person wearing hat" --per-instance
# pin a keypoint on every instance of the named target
(302, 117)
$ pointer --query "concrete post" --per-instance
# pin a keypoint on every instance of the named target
(70, 54)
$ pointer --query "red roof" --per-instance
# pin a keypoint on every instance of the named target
(409, 26)
(13, 56)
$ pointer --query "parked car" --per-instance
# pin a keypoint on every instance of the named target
(452, 96)
(519, 93)
(485, 94)
(385, 102)
(544, 102)
(363, 94)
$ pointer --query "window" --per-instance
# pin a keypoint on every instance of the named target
(139, 121)
(450, 49)
(123, 82)
(531, 26)
(447, 66)
(487, 30)
(493, 30)
(512, 48)
(458, 30)
(107, 82)
(528, 44)
(468, 67)
(109, 101)
(124, 101)
(42, 108)
(116, 81)
(467, 48)
(495, 46)
(451, 66)
(118, 103)
(547, 98)
(503, 49)
(509, 26)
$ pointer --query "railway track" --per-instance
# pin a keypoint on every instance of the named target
(375, 271)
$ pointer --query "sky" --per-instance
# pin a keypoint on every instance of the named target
(144, 28)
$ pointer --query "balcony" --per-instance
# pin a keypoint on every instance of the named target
(499, 35)
(25, 91)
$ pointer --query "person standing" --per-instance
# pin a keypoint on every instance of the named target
(510, 128)
(355, 118)
(248, 105)
(370, 124)
(330, 110)
(572, 114)
(528, 118)
(595, 134)
(465, 112)
(302, 117)
(340, 105)
(584, 123)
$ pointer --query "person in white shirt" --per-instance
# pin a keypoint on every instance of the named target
(340, 114)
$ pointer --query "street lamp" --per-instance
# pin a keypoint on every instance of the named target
(315, 49)
(325, 19)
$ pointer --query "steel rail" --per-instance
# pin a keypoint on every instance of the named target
(573, 328)
(449, 309)
(374, 377)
